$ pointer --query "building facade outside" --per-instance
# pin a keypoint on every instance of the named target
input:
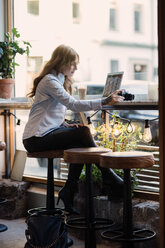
(118, 35)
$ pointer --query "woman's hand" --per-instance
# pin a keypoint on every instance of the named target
(74, 125)
(113, 98)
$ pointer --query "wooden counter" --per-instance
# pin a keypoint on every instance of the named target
(15, 103)
(133, 105)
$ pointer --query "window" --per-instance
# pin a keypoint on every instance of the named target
(155, 72)
(76, 12)
(100, 51)
(140, 72)
(137, 18)
(114, 65)
(112, 18)
(34, 64)
(33, 7)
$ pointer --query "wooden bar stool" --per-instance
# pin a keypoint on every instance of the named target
(127, 161)
(2, 201)
(88, 223)
(50, 155)
(50, 206)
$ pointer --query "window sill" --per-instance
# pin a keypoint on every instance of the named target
(137, 193)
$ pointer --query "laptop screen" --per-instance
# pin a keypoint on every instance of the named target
(113, 82)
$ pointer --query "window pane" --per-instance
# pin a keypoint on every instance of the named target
(47, 24)
(140, 72)
(76, 12)
(114, 65)
(112, 19)
(137, 18)
(33, 7)
(34, 64)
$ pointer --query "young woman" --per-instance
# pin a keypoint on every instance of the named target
(46, 128)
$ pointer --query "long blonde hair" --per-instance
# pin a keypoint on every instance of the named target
(61, 57)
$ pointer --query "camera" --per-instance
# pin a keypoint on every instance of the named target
(127, 96)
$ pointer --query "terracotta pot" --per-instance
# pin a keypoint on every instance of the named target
(6, 87)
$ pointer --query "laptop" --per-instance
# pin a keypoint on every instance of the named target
(113, 82)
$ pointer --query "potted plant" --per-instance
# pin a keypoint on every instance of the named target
(8, 50)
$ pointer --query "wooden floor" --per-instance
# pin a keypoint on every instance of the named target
(14, 237)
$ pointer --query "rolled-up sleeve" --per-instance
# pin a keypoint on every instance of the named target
(57, 91)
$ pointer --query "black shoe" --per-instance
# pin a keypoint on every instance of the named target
(69, 242)
(113, 193)
(66, 194)
(113, 185)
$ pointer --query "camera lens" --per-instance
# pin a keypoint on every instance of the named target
(127, 96)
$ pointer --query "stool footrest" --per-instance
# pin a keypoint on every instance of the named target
(3, 200)
(119, 235)
(81, 223)
(43, 209)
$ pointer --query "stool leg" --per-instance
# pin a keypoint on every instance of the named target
(90, 235)
(127, 205)
(50, 185)
(128, 233)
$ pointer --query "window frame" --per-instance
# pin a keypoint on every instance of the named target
(161, 57)
(32, 178)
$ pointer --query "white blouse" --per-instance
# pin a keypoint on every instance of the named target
(50, 105)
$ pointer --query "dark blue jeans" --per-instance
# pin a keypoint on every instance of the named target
(63, 138)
